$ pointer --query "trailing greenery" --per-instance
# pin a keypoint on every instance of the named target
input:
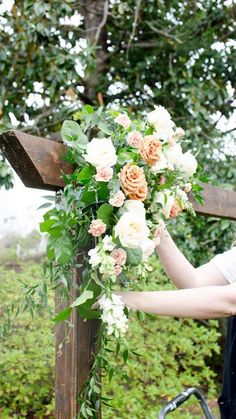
(175, 354)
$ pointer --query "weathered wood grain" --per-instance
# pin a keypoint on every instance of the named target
(74, 358)
(218, 202)
(37, 161)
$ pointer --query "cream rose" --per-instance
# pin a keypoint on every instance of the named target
(160, 165)
(132, 230)
(161, 120)
(132, 205)
(188, 163)
(173, 155)
(101, 152)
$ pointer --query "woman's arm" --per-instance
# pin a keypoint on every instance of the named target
(180, 270)
(199, 303)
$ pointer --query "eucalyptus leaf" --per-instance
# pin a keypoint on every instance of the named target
(86, 295)
(134, 256)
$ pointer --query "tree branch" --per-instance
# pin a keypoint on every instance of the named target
(102, 23)
(135, 24)
(164, 33)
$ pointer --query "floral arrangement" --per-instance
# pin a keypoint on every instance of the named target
(131, 176)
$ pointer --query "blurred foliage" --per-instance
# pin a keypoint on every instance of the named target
(177, 354)
(27, 355)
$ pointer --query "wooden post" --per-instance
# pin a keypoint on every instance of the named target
(39, 163)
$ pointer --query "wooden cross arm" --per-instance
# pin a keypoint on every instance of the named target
(39, 163)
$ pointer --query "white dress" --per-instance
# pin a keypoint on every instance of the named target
(226, 263)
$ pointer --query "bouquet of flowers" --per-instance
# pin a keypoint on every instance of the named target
(131, 175)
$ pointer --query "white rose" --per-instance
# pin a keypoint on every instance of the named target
(147, 247)
(179, 133)
(182, 195)
(108, 244)
(101, 152)
(188, 163)
(174, 154)
(161, 120)
(135, 206)
(160, 165)
(131, 229)
(94, 259)
(166, 199)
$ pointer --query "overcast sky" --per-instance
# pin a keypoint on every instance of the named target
(18, 209)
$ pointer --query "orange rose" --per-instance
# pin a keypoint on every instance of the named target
(150, 149)
(133, 182)
(175, 210)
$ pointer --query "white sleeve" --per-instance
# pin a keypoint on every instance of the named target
(226, 263)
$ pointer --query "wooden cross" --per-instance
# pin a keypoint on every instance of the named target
(39, 163)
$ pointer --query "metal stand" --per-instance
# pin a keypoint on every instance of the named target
(181, 398)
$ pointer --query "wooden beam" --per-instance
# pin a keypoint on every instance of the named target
(37, 161)
(218, 202)
(75, 347)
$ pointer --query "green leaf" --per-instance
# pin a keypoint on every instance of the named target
(134, 256)
(73, 135)
(125, 355)
(104, 213)
(63, 315)
(86, 174)
(141, 315)
(88, 313)
(86, 295)
(88, 109)
(104, 128)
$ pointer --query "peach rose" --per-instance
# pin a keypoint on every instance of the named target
(133, 182)
(175, 210)
(134, 139)
(118, 270)
(119, 255)
(97, 228)
(117, 200)
(150, 149)
(104, 174)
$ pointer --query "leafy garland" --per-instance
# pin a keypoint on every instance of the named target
(130, 177)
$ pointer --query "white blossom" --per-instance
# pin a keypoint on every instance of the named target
(95, 259)
(101, 152)
(108, 244)
(113, 315)
(161, 120)
(166, 199)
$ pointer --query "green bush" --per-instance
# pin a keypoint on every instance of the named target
(176, 354)
(27, 355)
